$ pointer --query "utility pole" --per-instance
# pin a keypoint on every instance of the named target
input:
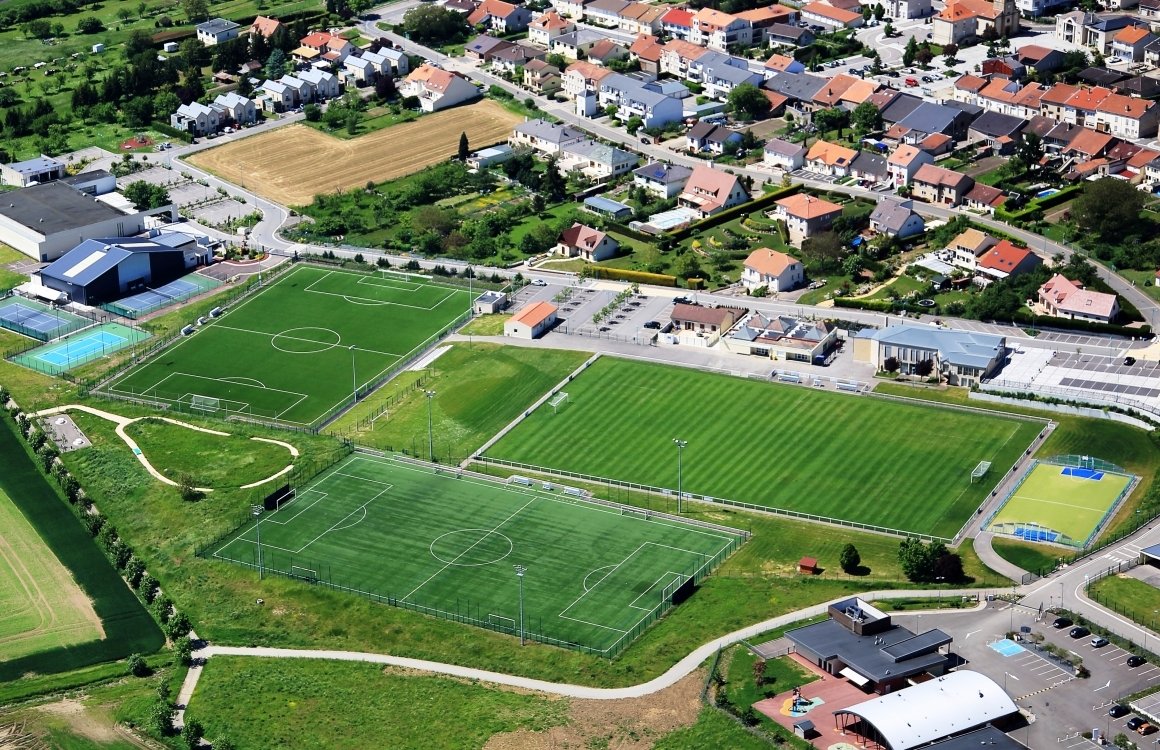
(256, 510)
(680, 472)
(520, 570)
(430, 430)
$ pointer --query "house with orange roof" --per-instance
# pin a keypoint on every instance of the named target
(967, 88)
(1053, 102)
(1089, 144)
(531, 321)
(647, 51)
(678, 56)
(1064, 298)
(1007, 259)
(437, 89)
(784, 64)
(322, 45)
(500, 16)
(830, 159)
(1083, 103)
(642, 18)
(966, 248)
(1128, 44)
(718, 30)
(965, 20)
(904, 162)
(583, 77)
(709, 191)
(1126, 116)
(831, 94)
(772, 269)
(1039, 59)
(265, 27)
(823, 14)
(547, 27)
(677, 23)
(858, 92)
(764, 19)
(805, 216)
(935, 184)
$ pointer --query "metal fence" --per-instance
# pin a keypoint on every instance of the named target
(592, 333)
(1072, 396)
(667, 493)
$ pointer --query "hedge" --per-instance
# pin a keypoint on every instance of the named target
(1036, 206)
(876, 305)
(729, 214)
(640, 277)
(1024, 317)
(172, 132)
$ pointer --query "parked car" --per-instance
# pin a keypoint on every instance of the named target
(1146, 728)
(682, 300)
(911, 82)
(1135, 723)
(652, 324)
(1135, 661)
(1117, 710)
(1129, 361)
(1061, 623)
(539, 282)
(1079, 632)
(1099, 641)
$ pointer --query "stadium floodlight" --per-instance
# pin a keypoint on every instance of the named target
(353, 375)
(430, 431)
(256, 510)
(681, 444)
(520, 570)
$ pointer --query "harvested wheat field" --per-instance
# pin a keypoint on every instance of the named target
(291, 165)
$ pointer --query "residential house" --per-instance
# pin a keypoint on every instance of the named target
(687, 317)
(830, 159)
(1063, 298)
(512, 58)
(573, 9)
(678, 57)
(216, 31)
(1090, 30)
(928, 119)
(361, 70)
(783, 337)
(302, 90)
(236, 108)
(1000, 132)
(487, 157)
(784, 155)
(265, 27)
(786, 64)
(604, 12)
(484, 47)
(935, 184)
(823, 14)
(274, 96)
(608, 208)
(962, 358)
(662, 180)
(606, 51)
(806, 216)
(1053, 103)
(500, 16)
(709, 136)
(646, 50)
(761, 20)
(437, 89)
(596, 160)
(1149, 9)
(709, 191)
(900, 9)
(322, 45)
(582, 78)
(586, 243)
(642, 18)
(548, 138)
(773, 270)
(399, 61)
(869, 167)
(542, 77)
(789, 34)
(677, 23)
(462, 7)
(1039, 59)
(633, 98)
(904, 162)
(1127, 117)
(963, 21)
(968, 246)
(896, 217)
(196, 118)
(549, 26)
(719, 31)
(1007, 66)
(720, 76)
(1006, 259)
(984, 198)
(324, 83)
(1128, 44)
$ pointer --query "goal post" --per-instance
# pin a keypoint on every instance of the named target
(557, 401)
(204, 403)
(980, 471)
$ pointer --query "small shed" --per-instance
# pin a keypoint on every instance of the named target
(98, 48)
(1151, 555)
(808, 565)
(169, 47)
(803, 728)
(490, 302)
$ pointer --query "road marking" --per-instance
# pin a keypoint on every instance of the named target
(968, 635)
(1107, 684)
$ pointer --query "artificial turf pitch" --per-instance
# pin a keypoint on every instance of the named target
(901, 466)
(296, 350)
(447, 545)
(1070, 505)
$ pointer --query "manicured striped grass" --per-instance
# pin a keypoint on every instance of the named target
(855, 458)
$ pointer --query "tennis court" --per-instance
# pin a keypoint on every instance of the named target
(165, 295)
(1058, 501)
(80, 348)
(36, 319)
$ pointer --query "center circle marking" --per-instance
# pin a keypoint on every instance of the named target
(471, 548)
(308, 340)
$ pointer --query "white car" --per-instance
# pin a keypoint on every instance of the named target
(539, 282)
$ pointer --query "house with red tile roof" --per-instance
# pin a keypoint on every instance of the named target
(831, 159)
(583, 77)
(764, 19)
(1064, 298)
(824, 14)
(1007, 259)
(678, 56)
(586, 243)
(1126, 116)
(984, 198)
(718, 30)
(1088, 144)
(710, 191)
(1053, 102)
(500, 16)
(786, 64)
(647, 51)
(322, 45)
(437, 89)
(805, 216)
(547, 27)
(772, 269)
(265, 26)
(677, 23)
(1128, 44)
(963, 20)
(904, 162)
(935, 184)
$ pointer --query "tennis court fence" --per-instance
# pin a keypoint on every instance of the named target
(203, 285)
(71, 320)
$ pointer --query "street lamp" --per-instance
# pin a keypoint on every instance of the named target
(680, 470)
(520, 570)
(256, 511)
(353, 375)
(430, 430)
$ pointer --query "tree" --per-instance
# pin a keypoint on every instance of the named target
(633, 125)
(950, 50)
(1028, 153)
(312, 112)
(849, 559)
(90, 25)
(161, 717)
(195, 10)
(924, 367)
(1108, 207)
(276, 65)
(866, 118)
(867, 13)
(464, 147)
(192, 733)
(759, 672)
(834, 118)
(879, 12)
(747, 102)
(554, 186)
(924, 55)
(145, 195)
(690, 267)
(908, 54)
(137, 666)
(890, 364)
(224, 744)
(914, 558)
(888, 30)
(434, 24)
(385, 88)
(37, 28)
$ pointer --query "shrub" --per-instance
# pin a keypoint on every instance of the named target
(137, 666)
(640, 277)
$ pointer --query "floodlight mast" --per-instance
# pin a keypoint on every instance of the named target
(520, 570)
(681, 444)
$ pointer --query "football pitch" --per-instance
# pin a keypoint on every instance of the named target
(298, 349)
(899, 466)
(448, 545)
(1062, 504)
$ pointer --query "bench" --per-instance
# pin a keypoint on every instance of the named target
(574, 491)
(517, 479)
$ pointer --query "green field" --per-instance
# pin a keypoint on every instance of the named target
(41, 606)
(854, 458)
(1059, 502)
(446, 546)
(209, 460)
(296, 350)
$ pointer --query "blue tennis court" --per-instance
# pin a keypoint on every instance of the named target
(165, 295)
(80, 348)
(1007, 647)
(36, 320)
(1072, 471)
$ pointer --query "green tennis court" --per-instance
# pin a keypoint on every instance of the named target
(80, 348)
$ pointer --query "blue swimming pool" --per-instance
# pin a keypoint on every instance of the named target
(1045, 193)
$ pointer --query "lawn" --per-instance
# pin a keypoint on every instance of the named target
(306, 704)
(297, 350)
(1143, 280)
(485, 325)
(1031, 557)
(208, 460)
(714, 728)
(780, 675)
(901, 287)
(445, 545)
(1136, 600)
(10, 279)
(865, 460)
(41, 606)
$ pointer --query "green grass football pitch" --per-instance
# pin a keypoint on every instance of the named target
(295, 350)
(855, 458)
(1059, 502)
(447, 545)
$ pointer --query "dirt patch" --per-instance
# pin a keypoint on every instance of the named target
(631, 724)
(291, 165)
(81, 720)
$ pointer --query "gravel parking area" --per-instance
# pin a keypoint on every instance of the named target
(220, 212)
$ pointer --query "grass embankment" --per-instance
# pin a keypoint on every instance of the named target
(1136, 600)
(1035, 558)
(207, 460)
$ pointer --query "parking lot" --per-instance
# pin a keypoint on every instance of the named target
(1080, 374)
